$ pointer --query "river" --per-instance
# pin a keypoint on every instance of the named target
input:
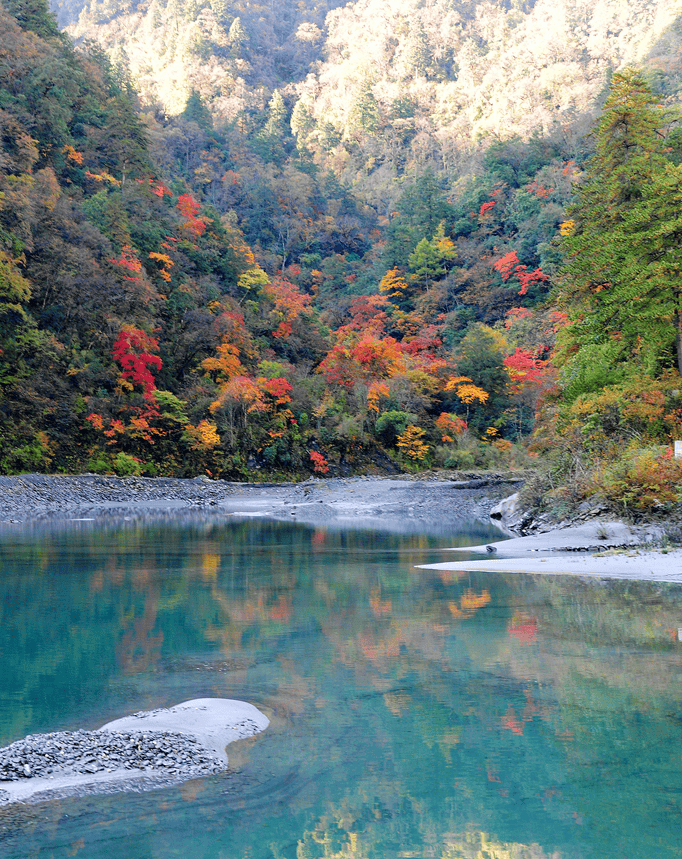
(414, 713)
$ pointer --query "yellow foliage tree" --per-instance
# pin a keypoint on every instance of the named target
(374, 394)
(466, 390)
(393, 284)
(204, 436)
(165, 263)
(412, 445)
(471, 393)
(253, 280)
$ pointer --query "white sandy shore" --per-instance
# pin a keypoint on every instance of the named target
(213, 722)
(602, 549)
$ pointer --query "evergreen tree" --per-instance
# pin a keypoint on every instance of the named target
(418, 50)
(364, 112)
(236, 35)
(121, 74)
(196, 111)
(422, 208)
(221, 8)
(619, 244)
(34, 15)
(648, 298)
(155, 14)
(122, 143)
(270, 141)
(302, 123)
(430, 259)
(277, 116)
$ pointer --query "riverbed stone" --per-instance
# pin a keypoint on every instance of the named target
(169, 755)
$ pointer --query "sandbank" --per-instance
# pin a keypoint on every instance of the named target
(602, 549)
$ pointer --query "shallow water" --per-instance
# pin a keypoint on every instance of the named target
(415, 713)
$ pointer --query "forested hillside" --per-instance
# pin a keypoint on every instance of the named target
(384, 86)
(325, 240)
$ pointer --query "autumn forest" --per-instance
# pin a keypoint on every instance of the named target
(254, 242)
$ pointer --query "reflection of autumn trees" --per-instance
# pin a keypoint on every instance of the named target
(476, 845)
(404, 721)
(514, 721)
(469, 603)
(524, 628)
(139, 647)
(343, 834)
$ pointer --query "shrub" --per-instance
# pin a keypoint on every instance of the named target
(391, 424)
(126, 465)
(642, 480)
(99, 463)
(460, 459)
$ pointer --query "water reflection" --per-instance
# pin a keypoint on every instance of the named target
(414, 712)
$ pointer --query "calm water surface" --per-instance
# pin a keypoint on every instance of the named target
(415, 713)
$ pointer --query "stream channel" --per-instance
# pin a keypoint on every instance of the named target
(413, 713)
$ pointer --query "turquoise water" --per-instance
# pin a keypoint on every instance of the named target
(415, 713)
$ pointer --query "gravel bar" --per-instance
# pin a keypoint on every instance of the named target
(149, 749)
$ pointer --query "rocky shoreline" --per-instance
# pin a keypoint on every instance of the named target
(164, 747)
(29, 496)
(443, 498)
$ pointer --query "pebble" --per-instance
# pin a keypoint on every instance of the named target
(72, 752)
(30, 495)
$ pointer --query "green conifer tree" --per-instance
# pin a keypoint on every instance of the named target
(237, 36)
(34, 15)
(418, 50)
(196, 111)
(616, 249)
(277, 115)
(302, 122)
(364, 111)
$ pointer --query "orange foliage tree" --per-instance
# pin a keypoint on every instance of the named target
(449, 426)
(289, 304)
(189, 209)
(361, 357)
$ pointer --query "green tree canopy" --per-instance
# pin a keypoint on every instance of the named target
(621, 244)
(196, 111)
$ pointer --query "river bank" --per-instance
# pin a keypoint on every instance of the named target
(428, 503)
(405, 503)
(601, 548)
(45, 766)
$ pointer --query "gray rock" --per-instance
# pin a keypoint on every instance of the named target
(508, 513)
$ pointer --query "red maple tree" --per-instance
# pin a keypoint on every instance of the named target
(133, 351)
